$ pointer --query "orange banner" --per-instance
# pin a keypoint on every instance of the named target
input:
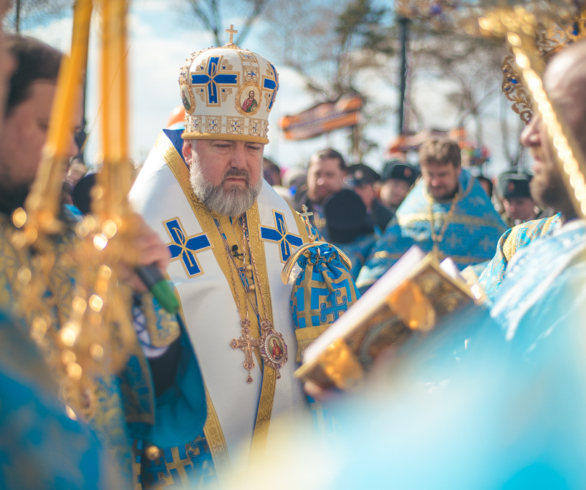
(322, 118)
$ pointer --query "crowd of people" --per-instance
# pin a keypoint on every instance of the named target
(363, 228)
(493, 397)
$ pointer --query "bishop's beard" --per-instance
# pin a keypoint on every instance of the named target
(13, 197)
(232, 202)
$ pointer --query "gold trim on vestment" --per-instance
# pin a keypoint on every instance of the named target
(269, 379)
(509, 247)
(225, 137)
(457, 219)
(548, 224)
(205, 219)
(216, 441)
(464, 259)
(169, 331)
(305, 336)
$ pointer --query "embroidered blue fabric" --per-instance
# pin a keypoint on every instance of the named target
(332, 288)
(511, 242)
(470, 237)
(40, 447)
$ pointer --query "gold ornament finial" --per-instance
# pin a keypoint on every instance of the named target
(231, 31)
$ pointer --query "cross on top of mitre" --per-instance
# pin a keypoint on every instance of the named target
(231, 31)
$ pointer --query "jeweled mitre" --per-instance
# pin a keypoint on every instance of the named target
(228, 93)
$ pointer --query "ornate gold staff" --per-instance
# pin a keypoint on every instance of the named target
(519, 28)
(94, 341)
(40, 222)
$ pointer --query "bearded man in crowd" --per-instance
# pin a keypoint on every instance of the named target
(446, 212)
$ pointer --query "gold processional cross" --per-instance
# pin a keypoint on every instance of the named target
(246, 343)
(231, 31)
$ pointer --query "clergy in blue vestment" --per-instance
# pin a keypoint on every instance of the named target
(145, 401)
(447, 211)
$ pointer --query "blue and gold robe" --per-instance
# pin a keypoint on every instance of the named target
(471, 234)
(127, 407)
(513, 240)
(40, 447)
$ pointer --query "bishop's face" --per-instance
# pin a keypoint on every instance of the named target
(225, 175)
(564, 89)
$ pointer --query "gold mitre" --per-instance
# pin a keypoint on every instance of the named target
(228, 94)
(552, 36)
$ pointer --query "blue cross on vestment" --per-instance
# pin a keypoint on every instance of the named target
(214, 79)
(281, 236)
(185, 248)
(271, 85)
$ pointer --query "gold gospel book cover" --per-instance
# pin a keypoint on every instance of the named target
(408, 300)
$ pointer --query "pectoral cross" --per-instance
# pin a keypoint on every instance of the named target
(246, 343)
(305, 217)
(231, 31)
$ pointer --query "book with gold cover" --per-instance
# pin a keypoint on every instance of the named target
(408, 300)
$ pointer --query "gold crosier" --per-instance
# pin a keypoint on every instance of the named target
(519, 27)
(95, 340)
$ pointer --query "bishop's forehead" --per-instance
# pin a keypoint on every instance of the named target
(228, 93)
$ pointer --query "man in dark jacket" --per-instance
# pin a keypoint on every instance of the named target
(361, 180)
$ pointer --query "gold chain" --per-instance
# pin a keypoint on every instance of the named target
(437, 239)
(238, 304)
(265, 321)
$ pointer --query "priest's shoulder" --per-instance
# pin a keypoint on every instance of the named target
(523, 234)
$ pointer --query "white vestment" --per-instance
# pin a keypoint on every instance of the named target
(162, 195)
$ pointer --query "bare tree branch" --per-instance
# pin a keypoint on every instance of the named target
(210, 14)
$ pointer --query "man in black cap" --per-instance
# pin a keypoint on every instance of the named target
(397, 180)
(361, 180)
(519, 206)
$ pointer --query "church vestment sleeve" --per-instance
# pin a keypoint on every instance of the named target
(177, 415)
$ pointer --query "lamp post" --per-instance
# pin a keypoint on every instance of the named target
(404, 24)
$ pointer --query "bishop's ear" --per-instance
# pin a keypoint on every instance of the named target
(187, 151)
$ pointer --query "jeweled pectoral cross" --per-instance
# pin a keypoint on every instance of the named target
(246, 343)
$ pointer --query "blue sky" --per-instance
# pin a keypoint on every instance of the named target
(161, 39)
